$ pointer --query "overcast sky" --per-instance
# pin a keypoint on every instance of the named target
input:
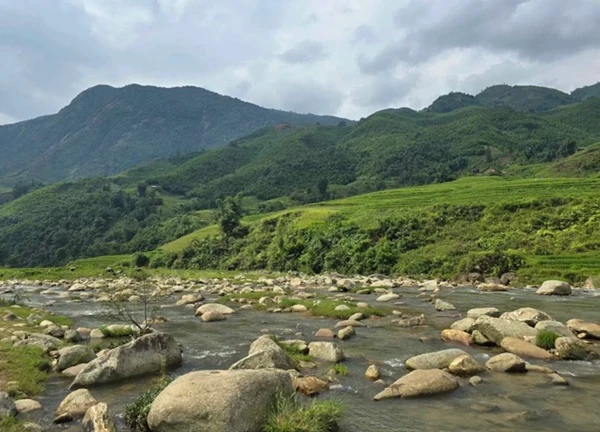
(343, 57)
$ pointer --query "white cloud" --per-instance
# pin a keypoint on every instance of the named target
(343, 57)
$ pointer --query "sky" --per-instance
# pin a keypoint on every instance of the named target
(343, 57)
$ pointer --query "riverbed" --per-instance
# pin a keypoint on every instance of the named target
(504, 402)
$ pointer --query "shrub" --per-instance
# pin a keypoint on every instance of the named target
(291, 415)
(140, 260)
(137, 411)
(340, 369)
(546, 339)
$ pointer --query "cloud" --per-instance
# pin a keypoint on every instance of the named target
(342, 57)
(305, 52)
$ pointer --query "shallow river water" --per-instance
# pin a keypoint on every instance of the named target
(505, 402)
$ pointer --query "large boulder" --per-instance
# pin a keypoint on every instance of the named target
(465, 324)
(529, 316)
(554, 326)
(74, 355)
(477, 312)
(571, 348)
(441, 305)
(326, 351)
(496, 329)
(76, 404)
(98, 419)
(217, 307)
(554, 287)
(27, 405)
(506, 362)
(524, 349)
(265, 353)
(434, 360)
(425, 382)
(7, 406)
(586, 329)
(217, 401)
(148, 354)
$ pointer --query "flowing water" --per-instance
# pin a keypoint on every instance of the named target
(505, 402)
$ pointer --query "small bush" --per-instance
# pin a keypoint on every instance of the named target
(546, 339)
(340, 369)
(140, 260)
(137, 411)
(290, 415)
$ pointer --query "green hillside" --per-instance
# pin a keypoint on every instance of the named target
(535, 227)
(587, 92)
(106, 130)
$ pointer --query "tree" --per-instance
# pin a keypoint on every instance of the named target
(140, 260)
(322, 185)
(342, 123)
(230, 216)
(141, 189)
(488, 154)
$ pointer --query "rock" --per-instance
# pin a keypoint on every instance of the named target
(410, 322)
(556, 379)
(7, 406)
(442, 306)
(591, 330)
(72, 336)
(571, 348)
(496, 329)
(76, 403)
(373, 372)
(10, 317)
(506, 362)
(349, 322)
(346, 333)
(508, 278)
(539, 369)
(55, 331)
(326, 351)
(528, 315)
(46, 324)
(465, 365)
(264, 353)
(148, 354)
(299, 345)
(592, 283)
(477, 312)
(190, 299)
(310, 386)
(387, 297)
(77, 287)
(216, 307)
(31, 427)
(420, 383)
(480, 339)
(74, 355)
(491, 287)
(434, 360)
(342, 307)
(554, 326)
(325, 333)
(73, 371)
(24, 406)
(524, 349)
(299, 308)
(98, 419)
(45, 342)
(475, 381)
(465, 325)
(356, 317)
(63, 418)
(217, 401)
(96, 334)
(554, 287)
(212, 316)
(461, 337)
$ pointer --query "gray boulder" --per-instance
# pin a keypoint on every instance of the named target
(477, 312)
(496, 329)
(554, 287)
(465, 365)
(571, 348)
(217, 307)
(74, 355)
(465, 324)
(420, 383)
(149, 354)
(7, 406)
(506, 362)
(326, 351)
(554, 326)
(434, 360)
(98, 419)
(217, 401)
(441, 305)
(587, 329)
(529, 316)
(265, 353)
(45, 342)
(76, 404)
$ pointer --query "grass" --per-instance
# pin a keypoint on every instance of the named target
(26, 366)
(296, 354)
(340, 369)
(546, 339)
(11, 424)
(326, 308)
(254, 295)
(291, 415)
(136, 412)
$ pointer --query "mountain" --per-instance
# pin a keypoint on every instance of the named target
(532, 99)
(106, 130)
(275, 168)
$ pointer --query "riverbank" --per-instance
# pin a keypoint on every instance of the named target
(217, 321)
